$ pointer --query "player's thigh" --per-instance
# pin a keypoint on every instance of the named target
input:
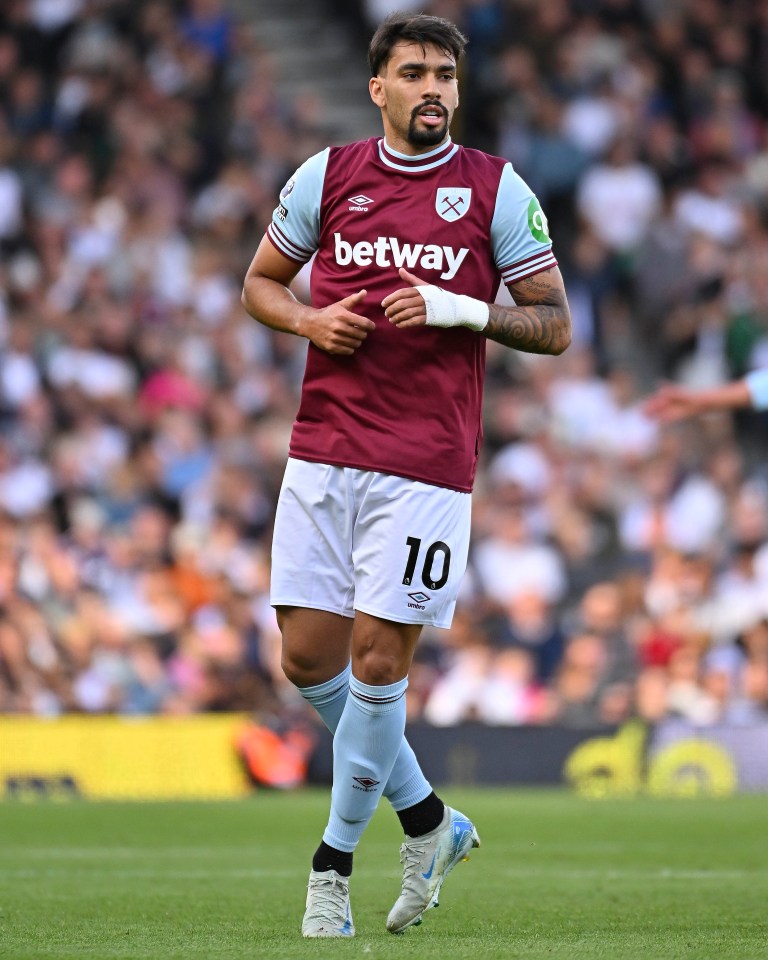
(410, 550)
(312, 540)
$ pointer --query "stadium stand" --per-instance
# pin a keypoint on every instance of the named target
(619, 569)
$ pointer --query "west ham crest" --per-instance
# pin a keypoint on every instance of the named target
(453, 202)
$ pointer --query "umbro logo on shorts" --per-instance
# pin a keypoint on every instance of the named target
(419, 599)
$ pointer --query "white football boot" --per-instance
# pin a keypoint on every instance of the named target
(328, 913)
(427, 861)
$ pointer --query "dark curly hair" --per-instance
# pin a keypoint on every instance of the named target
(414, 28)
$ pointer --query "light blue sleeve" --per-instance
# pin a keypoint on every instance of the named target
(295, 227)
(757, 384)
(519, 230)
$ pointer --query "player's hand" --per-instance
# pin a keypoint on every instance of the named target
(405, 307)
(671, 403)
(337, 329)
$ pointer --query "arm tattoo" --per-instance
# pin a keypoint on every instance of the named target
(540, 322)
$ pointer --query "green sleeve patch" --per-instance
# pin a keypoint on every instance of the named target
(537, 222)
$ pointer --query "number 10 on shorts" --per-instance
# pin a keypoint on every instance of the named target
(428, 569)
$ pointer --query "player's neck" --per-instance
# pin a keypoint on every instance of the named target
(401, 148)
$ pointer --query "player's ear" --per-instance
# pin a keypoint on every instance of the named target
(376, 90)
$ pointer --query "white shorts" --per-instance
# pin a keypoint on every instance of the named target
(348, 539)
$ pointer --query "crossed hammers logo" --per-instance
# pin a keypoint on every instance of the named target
(452, 206)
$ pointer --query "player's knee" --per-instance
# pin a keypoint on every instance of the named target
(301, 669)
(382, 652)
(379, 668)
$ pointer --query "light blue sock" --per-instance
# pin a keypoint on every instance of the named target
(329, 698)
(365, 747)
(407, 784)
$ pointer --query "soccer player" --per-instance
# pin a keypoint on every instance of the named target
(412, 235)
(672, 402)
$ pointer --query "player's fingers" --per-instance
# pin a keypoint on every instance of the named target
(349, 335)
(357, 322)
(405, 316)
(341, 343)
(354, 336)
(405, 296)
(353, 299)
(414, 322)
(412, 278)
(352, 340)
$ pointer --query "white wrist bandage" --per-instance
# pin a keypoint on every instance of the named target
(445, 309)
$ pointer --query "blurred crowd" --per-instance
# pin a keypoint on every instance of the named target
(618, 568)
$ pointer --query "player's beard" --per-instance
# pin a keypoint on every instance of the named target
(427, 136)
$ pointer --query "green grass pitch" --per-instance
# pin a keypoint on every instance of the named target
(556, 877)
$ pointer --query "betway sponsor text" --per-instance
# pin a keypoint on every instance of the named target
(389, 251)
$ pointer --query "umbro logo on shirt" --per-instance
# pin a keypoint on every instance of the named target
(360, 202)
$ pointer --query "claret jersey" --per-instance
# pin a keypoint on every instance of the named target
(407, 402)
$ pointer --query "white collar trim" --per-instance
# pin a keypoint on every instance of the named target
(409, 163)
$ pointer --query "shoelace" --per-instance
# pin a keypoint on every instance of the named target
(330, 894)
(411, 854)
